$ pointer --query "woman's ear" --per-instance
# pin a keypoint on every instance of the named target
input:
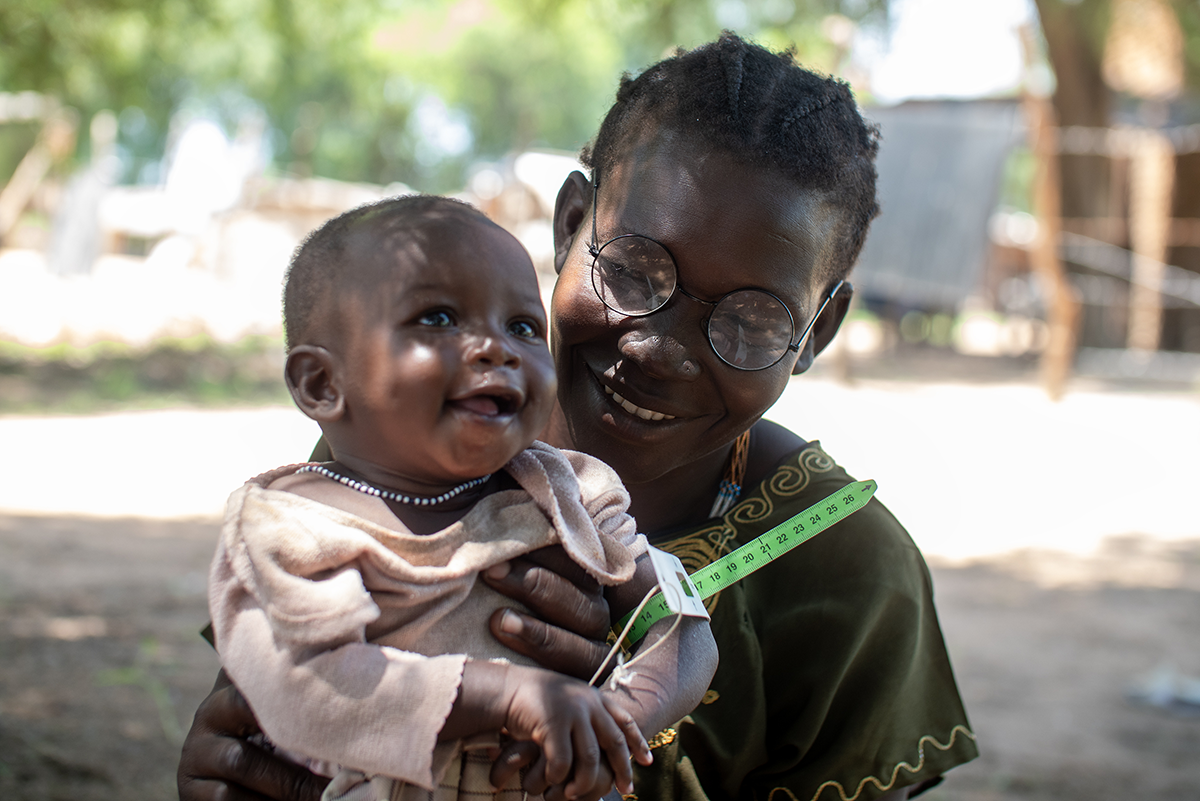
(312, 379)
(570, 211)
(825, 327)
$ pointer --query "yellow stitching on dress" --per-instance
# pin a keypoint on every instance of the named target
(756, 507)
(883, 788)
(704, 546)
(664, 737)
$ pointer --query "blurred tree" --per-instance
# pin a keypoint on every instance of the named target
(1076, 32)
(377, 90)
(150, 59)
(1091, 91)
(543, 72)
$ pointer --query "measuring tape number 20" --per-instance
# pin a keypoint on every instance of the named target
(759, 552)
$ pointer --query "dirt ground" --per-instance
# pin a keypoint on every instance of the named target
(1066, 566)
(102, 666)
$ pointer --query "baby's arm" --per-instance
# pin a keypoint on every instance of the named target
(299, 656)
(667, 683)
(298, 653)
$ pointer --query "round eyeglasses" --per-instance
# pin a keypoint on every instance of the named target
(748, 329)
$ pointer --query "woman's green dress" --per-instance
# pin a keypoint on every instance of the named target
(834, 684)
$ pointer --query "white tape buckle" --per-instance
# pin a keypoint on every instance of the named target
(678, 591)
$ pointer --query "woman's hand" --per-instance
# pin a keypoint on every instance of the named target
(219, 763)
(572, 618)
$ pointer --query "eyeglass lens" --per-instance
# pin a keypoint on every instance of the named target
(749, 329)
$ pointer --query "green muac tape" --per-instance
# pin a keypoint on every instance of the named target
(759, 552)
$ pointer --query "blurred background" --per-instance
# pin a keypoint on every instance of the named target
(1020, 371)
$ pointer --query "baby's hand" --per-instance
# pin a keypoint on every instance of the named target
(633, 733)
(573, 725)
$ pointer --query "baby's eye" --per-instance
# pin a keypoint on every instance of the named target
(523, 329)
(436, 319)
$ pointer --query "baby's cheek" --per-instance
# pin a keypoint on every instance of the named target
(543, 390)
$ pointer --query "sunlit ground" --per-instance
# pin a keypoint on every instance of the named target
(1063, 539)
(971, 470)
(1064, 545)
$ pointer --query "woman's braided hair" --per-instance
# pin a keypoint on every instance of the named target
(763, 109)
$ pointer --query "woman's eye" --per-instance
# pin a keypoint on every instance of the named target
(522, 328)
(437, 319)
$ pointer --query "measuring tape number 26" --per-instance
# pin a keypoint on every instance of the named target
(759, 552)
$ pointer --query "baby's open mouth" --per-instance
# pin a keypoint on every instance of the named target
(488, 405)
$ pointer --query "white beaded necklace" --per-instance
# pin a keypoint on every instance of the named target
(389, 495)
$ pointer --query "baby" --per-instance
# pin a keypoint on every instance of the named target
(345, 596)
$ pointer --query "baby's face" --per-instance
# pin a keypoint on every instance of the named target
(447, 374)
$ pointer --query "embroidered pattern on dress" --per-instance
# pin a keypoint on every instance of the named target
(664, 737)
(883, 788)
(703, 547)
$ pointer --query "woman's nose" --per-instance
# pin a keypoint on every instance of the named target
(660, 348)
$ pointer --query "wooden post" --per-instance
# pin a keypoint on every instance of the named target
(1151, 181)
(55, 141)
(1062, 309)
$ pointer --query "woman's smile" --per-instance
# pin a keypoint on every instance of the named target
(634, 409)
(633, 417)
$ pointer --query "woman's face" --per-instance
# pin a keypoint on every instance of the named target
(647, 394)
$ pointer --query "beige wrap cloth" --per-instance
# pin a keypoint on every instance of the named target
(348, 638)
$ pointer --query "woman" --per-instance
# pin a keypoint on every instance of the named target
(701, 266)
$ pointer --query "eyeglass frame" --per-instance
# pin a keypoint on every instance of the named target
(594, 249)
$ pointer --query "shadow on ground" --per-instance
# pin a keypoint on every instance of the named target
(102, 665)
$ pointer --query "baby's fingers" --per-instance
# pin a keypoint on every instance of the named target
(556, 748)
(587, 763)
(637, 744)
(632, 738)
(534, 781)
(514, 756)
(612, 735)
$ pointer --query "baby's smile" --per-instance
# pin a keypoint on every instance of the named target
(487, 405)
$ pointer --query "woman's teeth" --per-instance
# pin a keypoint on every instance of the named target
(645, 414)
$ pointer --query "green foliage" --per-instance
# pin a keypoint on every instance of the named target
(544, 72)
(1189, 21)
(149, 60)
(339, 84)
(109, 375)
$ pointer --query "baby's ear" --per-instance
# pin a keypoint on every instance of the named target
(825, 327)
(570, 211)
(312, 379)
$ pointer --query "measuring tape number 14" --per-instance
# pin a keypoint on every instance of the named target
(759, 552)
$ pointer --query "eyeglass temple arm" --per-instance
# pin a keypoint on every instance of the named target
(795, 347)
(594, 245)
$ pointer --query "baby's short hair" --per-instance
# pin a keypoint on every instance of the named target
(763, 109)
(321, 266)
